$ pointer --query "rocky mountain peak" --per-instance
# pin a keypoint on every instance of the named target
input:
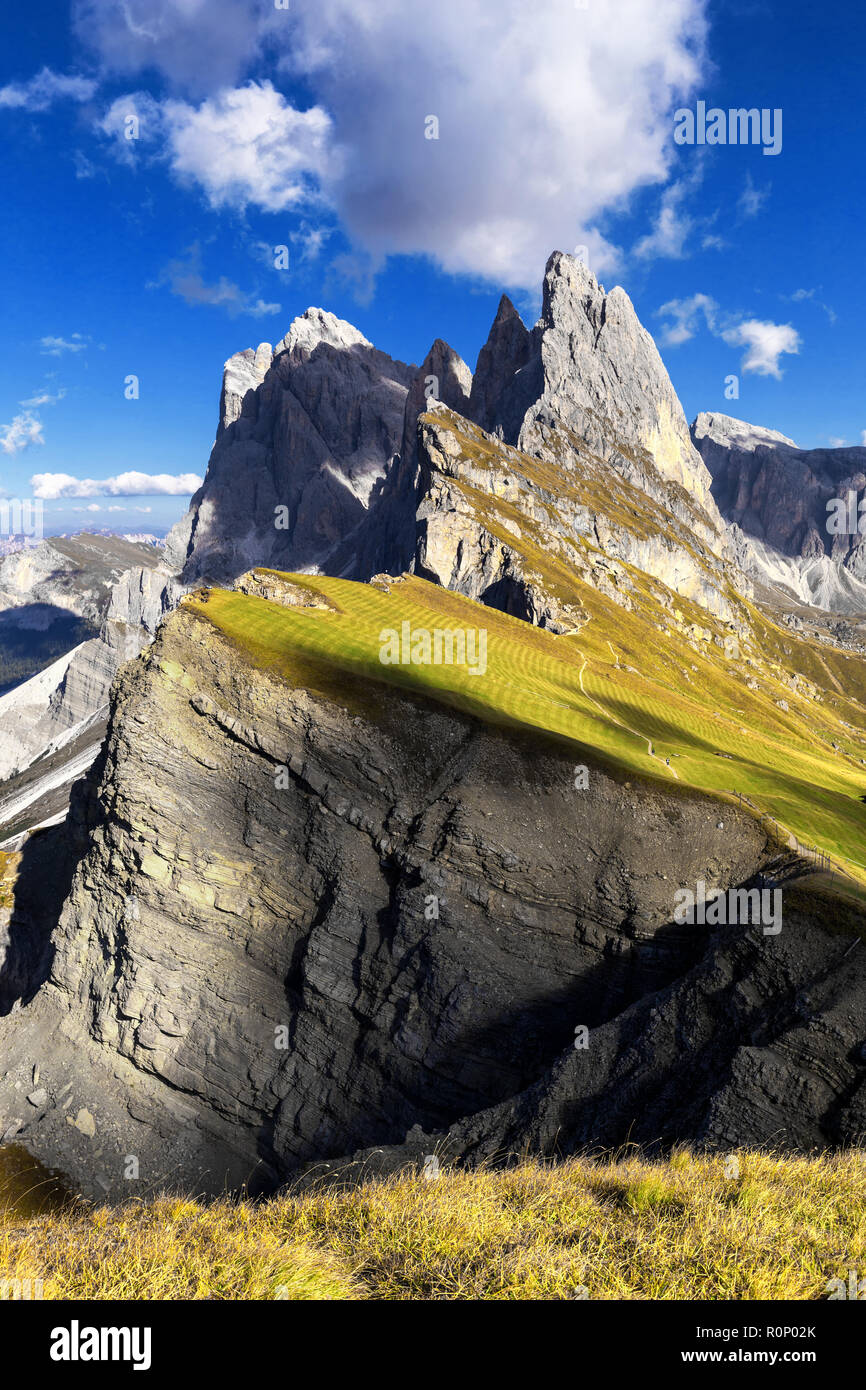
(732, 433)
(317, 326)
(443, 376)
(603, 378)
(306, 432)
(243, 372)
(503, 355)
(588, 377)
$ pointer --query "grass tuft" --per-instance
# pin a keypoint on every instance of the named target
(621, 1228)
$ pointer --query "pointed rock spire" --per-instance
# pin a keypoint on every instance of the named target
(507, 350)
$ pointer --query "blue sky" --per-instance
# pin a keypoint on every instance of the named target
(306, 127)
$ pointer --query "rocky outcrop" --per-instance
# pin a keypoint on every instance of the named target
(303, 925)
(516, 533)
(776, 496)
(54, 595)
(384, 542)
(305, 433)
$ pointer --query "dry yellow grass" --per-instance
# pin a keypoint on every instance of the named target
(748, 1226)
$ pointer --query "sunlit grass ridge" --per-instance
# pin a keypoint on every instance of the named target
(626, 689)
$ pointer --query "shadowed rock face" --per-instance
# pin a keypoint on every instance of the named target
(310, 428)
(776, 495)
(54, 595)
(506, 352)
(399, 932)
(386, 538)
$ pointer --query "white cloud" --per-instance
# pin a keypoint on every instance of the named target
(23, 431)
(55, 347)
(765, 343)
(185, 280)
(44, 398)
(41, 91)
(685, 317)
(752, 199)
(133, 121)
(193, 42)
(250, 146)
(93, 507)
(799, 295)
(863, 437)
(549, 116)
(671, 227)
(310, 239)
(51, 486)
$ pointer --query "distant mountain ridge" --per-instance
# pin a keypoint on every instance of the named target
(775, 497)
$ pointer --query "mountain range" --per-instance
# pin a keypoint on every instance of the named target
(310, 907)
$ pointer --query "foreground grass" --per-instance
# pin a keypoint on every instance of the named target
(744, 1226)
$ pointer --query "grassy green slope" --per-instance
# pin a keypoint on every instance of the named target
(681, 700)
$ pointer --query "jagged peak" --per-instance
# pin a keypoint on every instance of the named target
(505, 311)
(442, 357)
(726, 430)
(317, 326)
(561, 265)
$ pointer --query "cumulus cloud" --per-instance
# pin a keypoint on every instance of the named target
(185, 279)
(41, 91)
(685, 316)
(564, 117)
(24, 430)
(765, 343)
(51, 486)
(193, 42)
(250, 145)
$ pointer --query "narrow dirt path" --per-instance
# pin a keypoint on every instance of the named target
(614, 720)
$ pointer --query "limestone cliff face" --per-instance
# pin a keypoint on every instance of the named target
(776, 497)
(385, 540)
(305, 922)
(589, 368)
